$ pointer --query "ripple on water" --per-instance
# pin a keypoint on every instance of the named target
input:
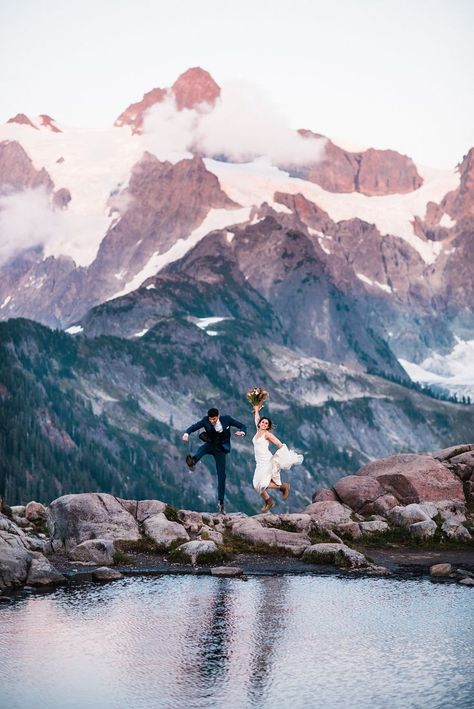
(305, 641)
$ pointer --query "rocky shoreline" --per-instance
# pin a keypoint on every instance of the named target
(403, 516)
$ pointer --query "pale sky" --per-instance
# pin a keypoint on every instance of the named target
(371, 73)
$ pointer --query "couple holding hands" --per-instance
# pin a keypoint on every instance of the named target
(216, 442)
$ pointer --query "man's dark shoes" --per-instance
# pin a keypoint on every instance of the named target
(220, 508)
(190, 461)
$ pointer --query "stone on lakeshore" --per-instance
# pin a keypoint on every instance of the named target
(325, 495)
(98, 551)
(251, 530)
(18, 510)
(104, 573)
(300, 520)
(196, 549)
(35, 512)
(226, 571)
(373, 527)
(358, 492)
(192, 521)
(467, 581)
(8, 525)
(76, 518)
(429, 508)
(382, 505)
(332, 553)
(375, 570)
(34, 543)
(424, 529)
(163, 531)
(405, 516)
(141, 509)
(351, 529)
(14, 560)
(43, 573)
(21, 521)
(414, 477)
(452, 451)
(212, 534)
(441, 569)
(454, 530)
(449, 509)
(329, 512)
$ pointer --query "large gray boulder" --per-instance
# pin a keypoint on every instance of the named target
(43, 573)
(328, 512)
(141, 509)
(425, 529)
(252, 531)
(414, 477)
(73, 519)
(405, 516)
(96, 551)
(197, 549)
(332, 553)
(164, 532)
(359, 492)
(375, 526)
(455, 530)
(15, 560)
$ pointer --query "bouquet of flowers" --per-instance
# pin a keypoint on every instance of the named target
(256, 396)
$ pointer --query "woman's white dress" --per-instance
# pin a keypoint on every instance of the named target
(268, 466)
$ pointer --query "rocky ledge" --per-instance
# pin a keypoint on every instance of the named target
(413, 509)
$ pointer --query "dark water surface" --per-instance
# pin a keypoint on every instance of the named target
(292, 641)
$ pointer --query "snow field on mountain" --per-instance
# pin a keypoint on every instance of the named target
(257, 182)
(95, 166)
(454, 371)
(91, 164)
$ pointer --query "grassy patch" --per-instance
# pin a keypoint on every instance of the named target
(398, 536)
(171, 514)
(321, 536)
(144, 545)
(285, 526)
(120, 559)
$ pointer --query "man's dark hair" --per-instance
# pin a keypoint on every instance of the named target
(213, 412)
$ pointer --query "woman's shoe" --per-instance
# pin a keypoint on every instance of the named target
(285, 490)
(268, 505)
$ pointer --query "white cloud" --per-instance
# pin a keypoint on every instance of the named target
(243, 125)
(27, 219)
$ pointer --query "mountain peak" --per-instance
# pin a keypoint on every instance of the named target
(22, 119)
(41, 121)
(193, 87)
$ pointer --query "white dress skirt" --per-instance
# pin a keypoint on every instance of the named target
(268, 466)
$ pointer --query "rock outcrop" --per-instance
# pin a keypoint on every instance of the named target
(73, 519)
(371, 172)
(410, 491)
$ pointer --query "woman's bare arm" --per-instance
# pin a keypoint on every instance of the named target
(273, 439)
(257, 416)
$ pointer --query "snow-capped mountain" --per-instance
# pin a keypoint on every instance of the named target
(367, 253)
